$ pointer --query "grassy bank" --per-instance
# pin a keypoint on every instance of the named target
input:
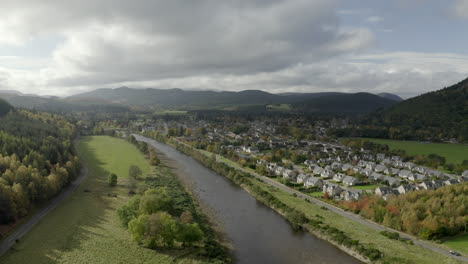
(85, 228)
(453, 153)
(459, 243)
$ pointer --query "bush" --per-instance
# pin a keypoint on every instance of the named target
(112, 180)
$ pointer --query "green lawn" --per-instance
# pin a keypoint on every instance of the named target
(459, 243)
(366, 187)
(453, 153)
(279, 107)
(316, 194)
(171, 112)
(85, 227)
(116, 154)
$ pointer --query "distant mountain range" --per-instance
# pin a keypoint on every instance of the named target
(182, 99)
(125, 97)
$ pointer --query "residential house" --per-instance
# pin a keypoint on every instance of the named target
(382, 191)
(350, 181)
(380, 168)
(346, 167)
(351, 194)
(387, 162)
(301, 178)
(380, 156)
(391, 171)
(427, 185)
(313, 182)
(465, 173)
(317, 171)
(398, 164)
(336, 166)
(289, 174)
(366, 172)
(417, 177)
(402, 189)
(279, 170)
(434, 173)
(420, 169)
(370, 165)
(332, 189)
(438, 183)
(392, 181)
(362, 163)
(405, 174)
(451, 182)
(338, 177)
(376, 176)
(327, 173)
(409, 165)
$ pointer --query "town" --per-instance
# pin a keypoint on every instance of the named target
(316, 165)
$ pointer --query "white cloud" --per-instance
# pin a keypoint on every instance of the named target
(460, 8)
(374, 19)
(275, 45)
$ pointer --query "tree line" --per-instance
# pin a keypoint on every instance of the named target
(36, 160)
(428, 214)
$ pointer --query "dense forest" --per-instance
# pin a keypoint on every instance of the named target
(436, 116)
(36, 160)
(428, 214)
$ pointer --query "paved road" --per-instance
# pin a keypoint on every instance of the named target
(337, 210)
(8, 242)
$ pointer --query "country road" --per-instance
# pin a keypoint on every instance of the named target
(22, 230)
(335, 209)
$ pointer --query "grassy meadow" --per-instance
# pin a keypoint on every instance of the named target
(85, 228)
(459, 243)
(453, 153)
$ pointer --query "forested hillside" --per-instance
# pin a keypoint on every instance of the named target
(436, 116)
(36, 160)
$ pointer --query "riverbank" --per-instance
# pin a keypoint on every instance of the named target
(393, 251)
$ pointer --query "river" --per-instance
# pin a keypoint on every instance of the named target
(257, 233)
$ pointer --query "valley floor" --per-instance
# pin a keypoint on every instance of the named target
(85, 228)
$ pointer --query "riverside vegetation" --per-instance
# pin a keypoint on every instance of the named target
(165, 216)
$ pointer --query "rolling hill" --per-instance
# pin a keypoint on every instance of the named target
(190, 100)
(437, 116)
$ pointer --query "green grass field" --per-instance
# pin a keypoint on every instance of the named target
(279, 107)
(453, 153)
(171, 112)
(366, 187)
(459, 243)
(85, 227)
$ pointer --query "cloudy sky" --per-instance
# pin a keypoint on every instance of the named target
(407, 47)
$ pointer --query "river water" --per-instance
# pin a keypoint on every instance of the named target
(257, 233)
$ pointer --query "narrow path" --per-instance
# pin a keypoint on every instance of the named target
(335, 209)
(10, 241)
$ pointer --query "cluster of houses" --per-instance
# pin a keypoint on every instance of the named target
(392, 175)
(335, 168)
